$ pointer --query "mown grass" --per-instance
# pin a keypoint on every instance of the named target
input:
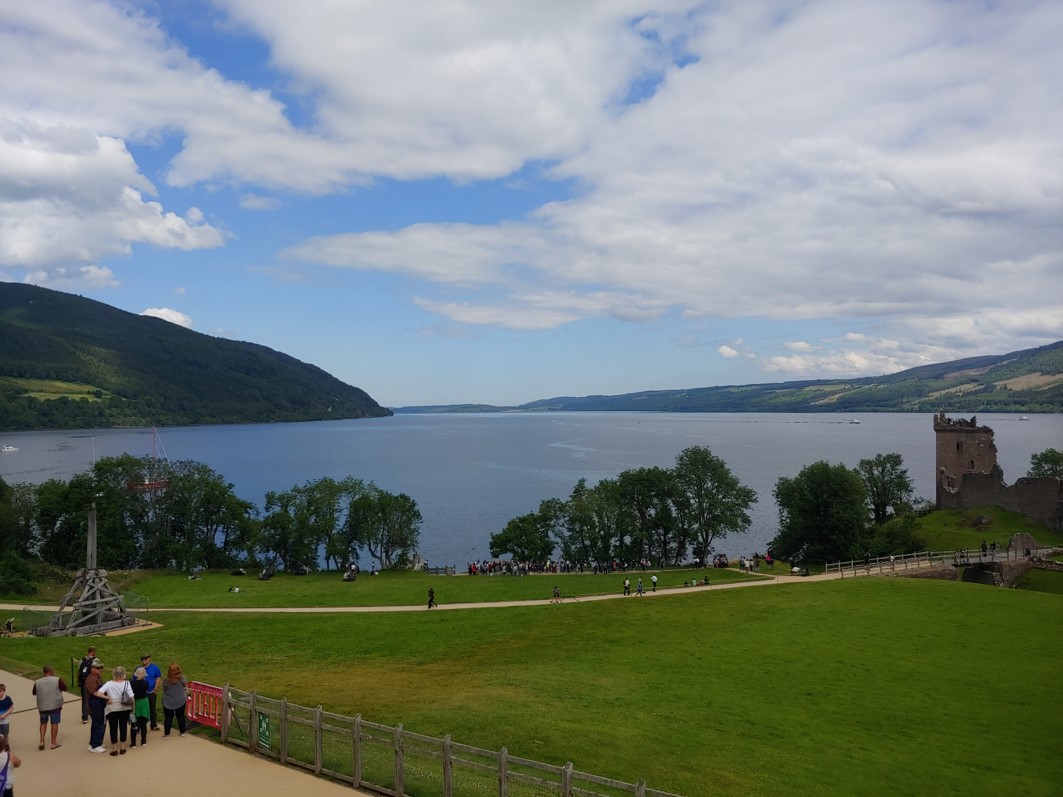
(949, 530)
(395, 588)
(1041, 581)
(46, 389)
(867, 686)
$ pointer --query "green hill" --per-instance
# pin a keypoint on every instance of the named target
(67, 362)
(1023, 381)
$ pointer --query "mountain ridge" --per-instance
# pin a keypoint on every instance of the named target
(71, 362)
(1025, 381)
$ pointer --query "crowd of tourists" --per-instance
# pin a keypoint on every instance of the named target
(125, 704)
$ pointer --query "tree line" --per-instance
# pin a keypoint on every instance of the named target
(665, 515)
(183, 515)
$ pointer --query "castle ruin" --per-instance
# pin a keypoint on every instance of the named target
(968, 475)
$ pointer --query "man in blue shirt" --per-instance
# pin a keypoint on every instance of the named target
(152, 674)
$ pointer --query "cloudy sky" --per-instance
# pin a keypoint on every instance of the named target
(490, 201)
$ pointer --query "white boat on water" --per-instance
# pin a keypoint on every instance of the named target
(9, 449)
(854, 420)
(1023, 418)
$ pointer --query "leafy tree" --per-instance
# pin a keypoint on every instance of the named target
(391, 527)
(887, 484)
(648, 494)
(525, 538)
(822, 513)
(711, 500)
(1047, 463)
(282, 536)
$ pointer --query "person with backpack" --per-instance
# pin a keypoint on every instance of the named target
(84, 668)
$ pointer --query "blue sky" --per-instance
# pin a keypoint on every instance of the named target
(453, 201)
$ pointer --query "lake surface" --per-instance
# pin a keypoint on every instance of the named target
(471, 474)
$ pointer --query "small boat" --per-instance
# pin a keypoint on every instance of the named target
(9, 449)
(1023, 418)
(854, 420)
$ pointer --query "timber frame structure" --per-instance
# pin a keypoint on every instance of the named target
(91, 606)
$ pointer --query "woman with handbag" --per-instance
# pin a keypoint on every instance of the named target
(119, 696)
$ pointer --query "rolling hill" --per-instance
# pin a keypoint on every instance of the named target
(67, 362)
(1024, 381)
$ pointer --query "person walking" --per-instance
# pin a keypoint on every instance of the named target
(653, 582)
(48, 690)
(174, 700)
(627, 586)
(431, 598)
(119, 696)
(84, 668)
(97, 707)
(638, 588)
(152, 674)
(141, 711)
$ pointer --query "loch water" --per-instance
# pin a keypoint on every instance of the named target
(470, 474)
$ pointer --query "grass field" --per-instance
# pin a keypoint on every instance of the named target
(863, 686)
(949, 530)
(396, 588)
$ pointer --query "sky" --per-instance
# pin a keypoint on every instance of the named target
(496, 201)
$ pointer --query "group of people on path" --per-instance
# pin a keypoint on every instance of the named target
(127, 706)
(640, 590)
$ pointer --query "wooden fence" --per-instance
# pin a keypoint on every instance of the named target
(881, 565)
(394, 761)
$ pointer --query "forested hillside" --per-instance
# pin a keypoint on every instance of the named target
(1023, 381)
(68, 362)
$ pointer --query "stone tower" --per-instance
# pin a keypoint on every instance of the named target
(962, 447)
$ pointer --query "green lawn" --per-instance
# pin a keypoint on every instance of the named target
(863, 686)
(1042, 581)
(394, 588)
(949, 530)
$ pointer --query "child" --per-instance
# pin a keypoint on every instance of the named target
(141, 711)
(7, 705)
(8, 762)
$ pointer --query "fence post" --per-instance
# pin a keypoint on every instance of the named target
(357, 750)
(318, 733)
(566, 780)
(448, 768)
(225, 708)
(640, 789)
(252, 731)
(398, 791)
(284, 731)
(503, 773)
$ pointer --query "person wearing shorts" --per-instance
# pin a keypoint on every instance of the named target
(48, 689)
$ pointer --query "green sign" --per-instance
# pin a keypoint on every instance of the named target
(263, 730)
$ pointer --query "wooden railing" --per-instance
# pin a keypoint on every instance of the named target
(395, 761)
(881, 565)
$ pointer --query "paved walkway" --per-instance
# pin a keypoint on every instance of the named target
(162, 768)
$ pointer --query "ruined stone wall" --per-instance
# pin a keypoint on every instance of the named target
(968, 475)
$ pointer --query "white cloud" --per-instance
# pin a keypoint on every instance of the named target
(257, 202)
(727, 351)
(69, 196)
(799, 345)
(169, 314)
(72, 278)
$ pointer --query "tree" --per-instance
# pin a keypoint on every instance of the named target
(711, 500)
(391, 527)
(1047, 463)
(525, 538)
(822, 514)
(648, 493)
(887, 484)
